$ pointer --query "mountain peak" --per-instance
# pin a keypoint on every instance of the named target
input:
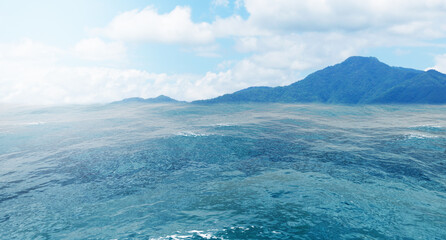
(361, 60)
(159, 99)
(164, 98)
(433, 71)
(357, 80)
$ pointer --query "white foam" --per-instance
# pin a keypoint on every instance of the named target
(191, 134)
(190, 235)
(173, 237)
(223, 125)
(428, 126)
(31, 123)
(201, 234)
(419, 136)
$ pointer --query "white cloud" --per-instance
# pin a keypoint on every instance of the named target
(247, 44)
(209, 51)
(62, 85)
(404, 18)
(236, 26)
(223, 3)
(290, 31)
(225, 65)
(28, 50)
(25, 78)
(399, 17)
(21, 63)
(284, 38)
(396, 16)
(440, 63)
(148, 25)
(97, 50)
(238, 4)
(250, 73)
(300, 52)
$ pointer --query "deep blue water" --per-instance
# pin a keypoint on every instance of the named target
(264, 171)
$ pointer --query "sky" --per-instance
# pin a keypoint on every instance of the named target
(98, 51)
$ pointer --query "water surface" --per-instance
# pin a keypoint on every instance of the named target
(242, 171)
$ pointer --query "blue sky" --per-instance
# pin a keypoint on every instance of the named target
(55, 52)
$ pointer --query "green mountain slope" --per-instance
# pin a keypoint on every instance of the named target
(357, 80)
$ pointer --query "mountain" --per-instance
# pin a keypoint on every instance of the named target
(357, 80)
(159, 99)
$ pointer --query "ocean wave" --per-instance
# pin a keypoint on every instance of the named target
(31, 123)
(213, 234)
(192, 134)
(213, 172)
(193, 234)
(429, 128)
(419, 136)
(223, 125)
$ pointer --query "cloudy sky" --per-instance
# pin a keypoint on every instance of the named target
(84, 51)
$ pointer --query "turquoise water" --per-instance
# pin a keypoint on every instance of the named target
(250, 171)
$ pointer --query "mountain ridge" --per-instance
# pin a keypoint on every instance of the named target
(159, 99)
(357, 80)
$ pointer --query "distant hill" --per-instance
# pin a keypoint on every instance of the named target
(357, 80)
(159, 99)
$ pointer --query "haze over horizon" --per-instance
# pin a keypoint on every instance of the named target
(86, 52)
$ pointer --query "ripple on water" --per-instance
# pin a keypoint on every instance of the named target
(246, 171)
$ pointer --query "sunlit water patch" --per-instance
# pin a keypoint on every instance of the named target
(248, 171)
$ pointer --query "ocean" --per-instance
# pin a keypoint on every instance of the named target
(223, 171)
